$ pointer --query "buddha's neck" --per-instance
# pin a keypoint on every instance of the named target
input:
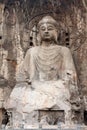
(47, 43)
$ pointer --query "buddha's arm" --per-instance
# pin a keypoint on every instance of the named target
(68, 68)
(70, 77)
(23, 74)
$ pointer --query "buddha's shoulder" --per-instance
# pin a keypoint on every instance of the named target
(62, 48)
(36, 49)
(33, 50)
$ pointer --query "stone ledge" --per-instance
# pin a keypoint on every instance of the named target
(51, 127)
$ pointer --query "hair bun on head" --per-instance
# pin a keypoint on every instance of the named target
(48, 19)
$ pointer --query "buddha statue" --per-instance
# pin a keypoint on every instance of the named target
(47, 79)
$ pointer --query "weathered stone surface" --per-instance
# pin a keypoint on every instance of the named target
(16, 16)
(51, 75)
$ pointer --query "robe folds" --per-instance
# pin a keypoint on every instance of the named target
(47, 80)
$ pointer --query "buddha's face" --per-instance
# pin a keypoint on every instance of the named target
(48, 32)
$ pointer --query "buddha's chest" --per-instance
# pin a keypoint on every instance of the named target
(48, 64)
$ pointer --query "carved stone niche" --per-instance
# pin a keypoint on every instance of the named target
(10, 17)
(52, 117)
(1, 12)
(25, 40)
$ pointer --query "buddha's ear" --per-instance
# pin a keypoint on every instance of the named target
(56, 36)
(38, 39)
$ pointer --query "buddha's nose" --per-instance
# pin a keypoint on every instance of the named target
(46, 30)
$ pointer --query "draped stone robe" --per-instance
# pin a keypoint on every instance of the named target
(52, 75)
(48, 64)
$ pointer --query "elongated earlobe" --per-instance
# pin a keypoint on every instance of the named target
(39, 39)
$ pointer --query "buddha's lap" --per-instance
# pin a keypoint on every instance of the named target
(41, 91)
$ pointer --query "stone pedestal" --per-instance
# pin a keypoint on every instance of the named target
(1, 116)
(1, 105)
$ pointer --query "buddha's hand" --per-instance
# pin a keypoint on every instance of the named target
(28, 81)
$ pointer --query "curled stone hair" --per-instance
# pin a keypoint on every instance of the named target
(48, 19)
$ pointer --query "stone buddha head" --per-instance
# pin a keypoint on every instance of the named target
(48, 29)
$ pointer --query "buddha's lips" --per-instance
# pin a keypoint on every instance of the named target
(46, 35)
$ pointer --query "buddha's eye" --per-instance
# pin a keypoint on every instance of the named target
(50, 28)
(42, 29)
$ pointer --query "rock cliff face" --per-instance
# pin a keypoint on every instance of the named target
(18, 32)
